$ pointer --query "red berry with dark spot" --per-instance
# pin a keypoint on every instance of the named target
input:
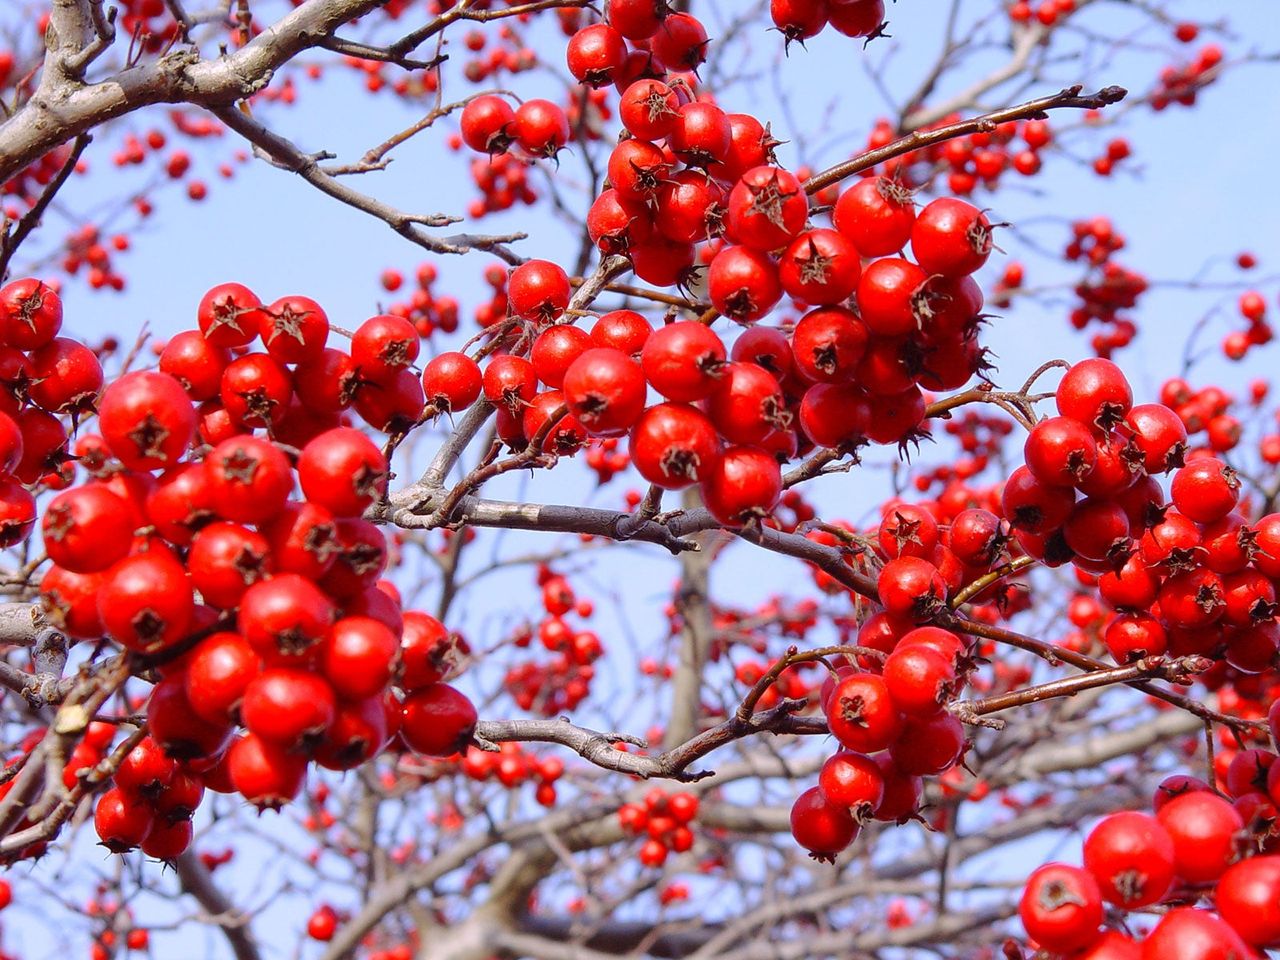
(820, 826)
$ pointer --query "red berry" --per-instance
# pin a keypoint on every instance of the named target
(437, 720)
(605, 390)
(1191, 934)
(147, 419)
(30, 314)
(821, 827)
(1131, 857)
(1204, 829)
(1246, 896)
(451, 381)
(343, 471)
(1061, 908)
(951, 238)
(862, 714)
(742, 486)
(877, 215)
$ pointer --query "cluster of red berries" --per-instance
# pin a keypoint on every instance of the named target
(979, 159)
(28, 183)
(43, 379)
(150, 805)
(513, 766)
(664, 819)
(894, 730)
(286, 91)
(1048, 12)
(494, 310)
(803, 19)
(1237, 343)
(107, 941)
(980, 437)
(888, 710)
(490, 126)
(509, 55)
(841, 377)
(259, 390)
(1117, 149)
(589, 115)
(1093, 241)
(255, 609)
(538, 127)
(557, 686)
(1180, 84)
(1207, 411)
(91, 749)
(605, 400)
(1244, 775)
(1198, 848)
(933, 549)
(107, 916)
(1107, 289)
(791, 684)
(87, 753)
(150, 21)
(427, 310)
(486, 61)
(375, 78)
(794, 619)
(503, 181)
(1190, 576)
(85, 248)
(604, 457)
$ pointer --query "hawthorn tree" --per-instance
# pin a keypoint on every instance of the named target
(323, 632)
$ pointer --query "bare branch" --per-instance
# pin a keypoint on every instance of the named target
(376, 158)
(693, 602)
(21, 624)
(104, 34)
(31, 219)
(466, 11)
(63, 108)
(197, 881)
(1056, 655)
(364, 51)
(286, 155)
(1178, 670)
(1032, 109)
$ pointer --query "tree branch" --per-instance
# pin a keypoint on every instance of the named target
(693, 602)
(198, 882)
(1177, 670)
(1055, 655)
(288, 156)
(62, 108)
(1032, 109)
(31, 219)
(21, 624)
